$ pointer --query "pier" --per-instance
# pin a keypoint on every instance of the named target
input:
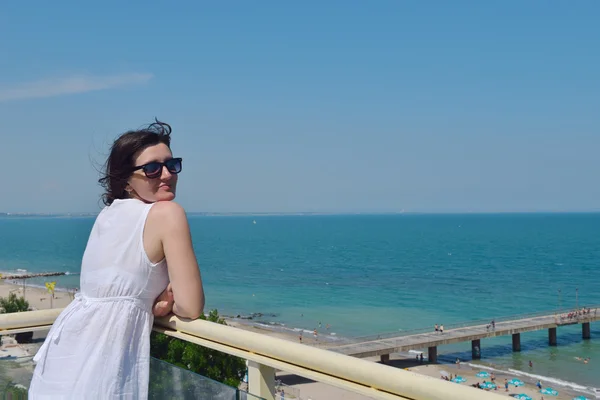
(385, 344)
(33, 275)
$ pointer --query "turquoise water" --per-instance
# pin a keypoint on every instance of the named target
(371, 274)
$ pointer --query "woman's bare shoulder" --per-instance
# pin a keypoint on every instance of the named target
(167, 211)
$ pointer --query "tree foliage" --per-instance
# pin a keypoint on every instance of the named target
(213, 364)
(14, 391)
(12, 303)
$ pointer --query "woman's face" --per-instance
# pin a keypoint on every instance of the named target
(160, 188)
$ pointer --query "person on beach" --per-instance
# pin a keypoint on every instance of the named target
(442, 329)
(436, 327)
(506, 384)
(138, 263)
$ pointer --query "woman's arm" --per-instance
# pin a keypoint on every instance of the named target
(184, 273)
(163, 305)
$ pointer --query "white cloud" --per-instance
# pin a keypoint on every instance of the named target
(70, 85)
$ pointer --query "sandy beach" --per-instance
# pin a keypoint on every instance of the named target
(469, 373)
(307, 389)
(38, 298)
(293, 385)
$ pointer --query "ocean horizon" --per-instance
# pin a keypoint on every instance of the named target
(307, 213)
(366, 274)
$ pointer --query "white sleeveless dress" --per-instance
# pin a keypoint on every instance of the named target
(99, 346)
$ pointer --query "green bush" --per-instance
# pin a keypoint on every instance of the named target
(15, 392)
(12, 303)
(213, 364)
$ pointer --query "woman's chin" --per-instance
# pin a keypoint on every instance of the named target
(165, 196)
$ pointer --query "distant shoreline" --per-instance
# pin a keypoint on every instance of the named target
(308, 213)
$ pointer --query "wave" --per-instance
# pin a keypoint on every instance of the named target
(556, 381)
(543, 378)
(269, 324)
(281, 327)
(481, 366)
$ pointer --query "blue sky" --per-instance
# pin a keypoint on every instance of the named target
(336, 106)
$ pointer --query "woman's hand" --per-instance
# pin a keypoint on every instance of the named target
(163, 305)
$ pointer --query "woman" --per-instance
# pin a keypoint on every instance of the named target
(139, 261)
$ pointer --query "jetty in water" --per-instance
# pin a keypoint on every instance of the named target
(386, 344)
(27, 276)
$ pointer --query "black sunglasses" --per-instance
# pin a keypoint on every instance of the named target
(154, 169)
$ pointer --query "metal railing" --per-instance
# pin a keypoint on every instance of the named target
(267, 354)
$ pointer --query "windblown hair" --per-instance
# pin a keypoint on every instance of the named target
(119, 166)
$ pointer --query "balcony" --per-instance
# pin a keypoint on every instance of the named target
(265, 355)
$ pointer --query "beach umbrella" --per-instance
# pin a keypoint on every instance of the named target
(580, 398)
(522, 396)
(487, 385)
(549, 391)
(482, 374)
(516, 382)
(459, 379)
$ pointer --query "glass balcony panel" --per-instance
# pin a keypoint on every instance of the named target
(15, 375)
(247, 396)
(168, 381)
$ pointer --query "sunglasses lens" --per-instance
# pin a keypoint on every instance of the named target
(174, 165)
(153, 169)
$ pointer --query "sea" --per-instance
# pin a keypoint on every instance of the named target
(364, 275)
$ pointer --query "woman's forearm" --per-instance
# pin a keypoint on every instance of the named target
(189, 313)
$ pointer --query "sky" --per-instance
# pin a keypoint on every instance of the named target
(336, 106)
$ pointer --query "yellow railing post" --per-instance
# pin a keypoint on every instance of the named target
(261, 380)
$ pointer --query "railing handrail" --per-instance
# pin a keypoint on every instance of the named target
(464, 324)
(366, 373)
(376, 380)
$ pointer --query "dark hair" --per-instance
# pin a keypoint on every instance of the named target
(118, 167)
